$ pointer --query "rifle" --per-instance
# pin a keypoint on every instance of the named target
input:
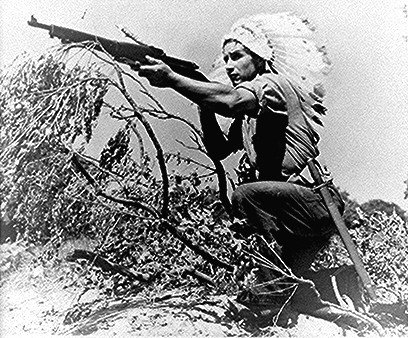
(124, 52)
(322, 187)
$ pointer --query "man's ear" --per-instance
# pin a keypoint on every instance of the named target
(260, 63)
(261, 66)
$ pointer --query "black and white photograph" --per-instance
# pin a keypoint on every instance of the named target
(194, 168)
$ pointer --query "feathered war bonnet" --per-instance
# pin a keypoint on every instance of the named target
(286, 42)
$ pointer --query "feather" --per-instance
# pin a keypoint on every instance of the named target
(288, 43)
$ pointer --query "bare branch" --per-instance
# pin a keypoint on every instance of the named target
(165, 223)
(199, 275)
(195, 248)
(125, 202)
(185, 145)
(106, 265)
(155, 141)
(189, 160)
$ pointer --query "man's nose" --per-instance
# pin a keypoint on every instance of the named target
(230, 65)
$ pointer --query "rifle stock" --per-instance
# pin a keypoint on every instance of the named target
(122, 51)
(341, 227)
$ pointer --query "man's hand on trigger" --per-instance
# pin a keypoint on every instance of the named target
(155, 71)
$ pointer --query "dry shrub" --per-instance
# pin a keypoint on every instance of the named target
(383, 245)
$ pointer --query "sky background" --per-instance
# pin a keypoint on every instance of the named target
(365, 139)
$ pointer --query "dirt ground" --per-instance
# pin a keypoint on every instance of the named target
(35, 312)
(40, 309)
(40, 302)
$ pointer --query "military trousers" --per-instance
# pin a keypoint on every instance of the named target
(292, 214)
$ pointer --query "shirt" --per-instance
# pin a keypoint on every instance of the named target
(278, 139)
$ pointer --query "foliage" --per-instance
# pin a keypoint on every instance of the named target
(52, 191)
(351, 213)
(383, 246)
(376, 206)
(45, 108)
(353, 210)
(126, 200)
(406, 190)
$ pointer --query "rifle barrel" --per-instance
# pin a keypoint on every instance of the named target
(122, 51)
(34, 23)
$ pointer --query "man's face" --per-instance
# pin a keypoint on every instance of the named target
(239, 64)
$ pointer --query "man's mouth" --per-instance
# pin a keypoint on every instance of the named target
(234, 78)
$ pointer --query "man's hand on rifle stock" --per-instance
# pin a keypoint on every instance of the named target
(155, 71)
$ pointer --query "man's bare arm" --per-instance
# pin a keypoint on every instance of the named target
(223, 99)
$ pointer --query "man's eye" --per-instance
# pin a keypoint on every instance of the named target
(233, 56)
(236, 56)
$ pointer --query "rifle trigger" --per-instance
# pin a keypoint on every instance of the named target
(157, 52)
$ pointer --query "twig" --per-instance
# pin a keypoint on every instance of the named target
(288, 270)
(199, 275)
(336, 292)
(166, 224)
(106, 265)
(156, 144)
(159, 154)
(197, 249)
(125, 202)
(275, 320)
